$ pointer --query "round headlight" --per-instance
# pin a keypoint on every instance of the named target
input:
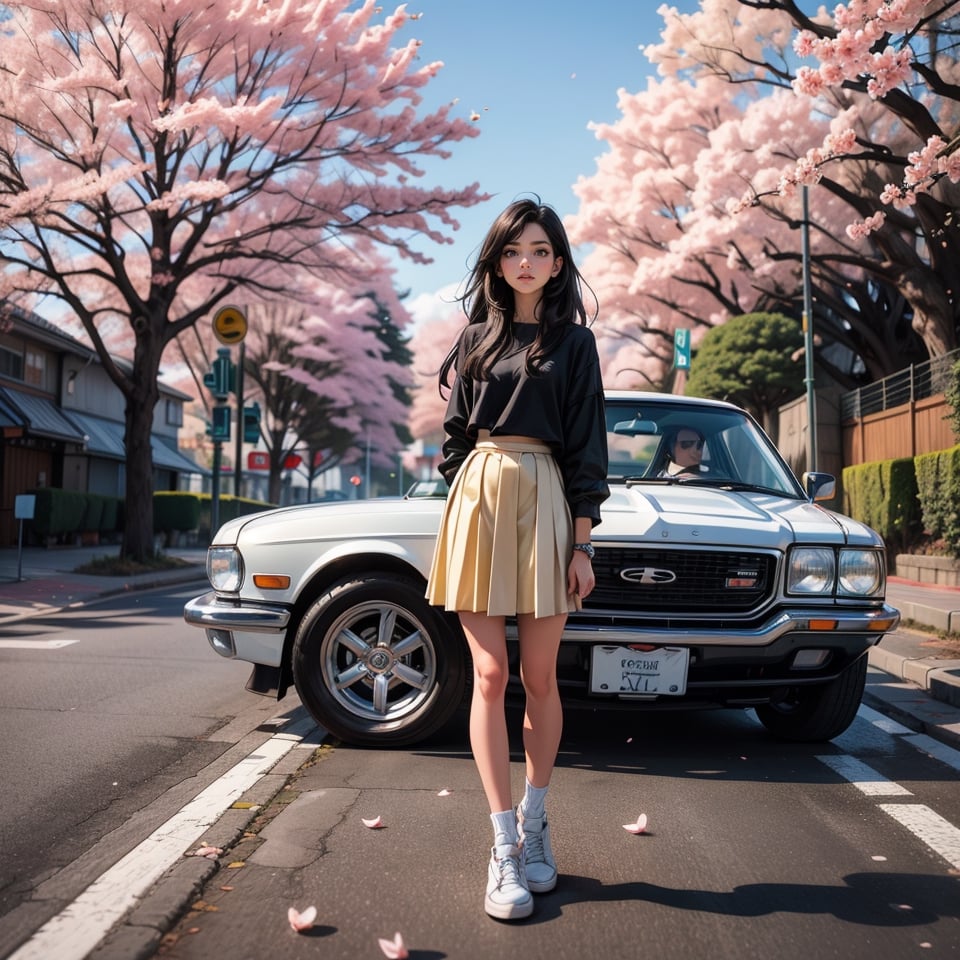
(224, 568)
(860, 572)
(812, 570)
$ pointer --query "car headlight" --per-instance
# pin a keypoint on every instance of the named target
(860, 572)
(225, 568)
(812, 570)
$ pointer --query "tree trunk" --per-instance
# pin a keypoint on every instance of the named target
(137, 541)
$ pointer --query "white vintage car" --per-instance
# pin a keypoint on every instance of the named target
(731, 588)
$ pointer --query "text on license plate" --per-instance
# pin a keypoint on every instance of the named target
(662, 671)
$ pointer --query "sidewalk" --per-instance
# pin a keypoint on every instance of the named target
(920, 684)
(49, 582)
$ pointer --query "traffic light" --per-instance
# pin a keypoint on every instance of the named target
(251, 423)
(219, 429)
(222, 378)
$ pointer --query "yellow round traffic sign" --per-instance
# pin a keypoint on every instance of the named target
(230, 325)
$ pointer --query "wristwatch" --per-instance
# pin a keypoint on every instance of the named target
(586, 548)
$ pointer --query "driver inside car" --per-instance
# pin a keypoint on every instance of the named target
(685, 451)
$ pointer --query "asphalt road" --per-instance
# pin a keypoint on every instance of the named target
(103, 711)
(753, 849)
(115, 717)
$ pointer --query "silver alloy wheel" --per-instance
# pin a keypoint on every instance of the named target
(378, 661)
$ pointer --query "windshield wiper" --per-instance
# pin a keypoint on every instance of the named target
(719, 482)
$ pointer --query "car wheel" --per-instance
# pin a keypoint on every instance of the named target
(375, 664)
(817, 713)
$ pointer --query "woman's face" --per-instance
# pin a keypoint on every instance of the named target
(528, 263)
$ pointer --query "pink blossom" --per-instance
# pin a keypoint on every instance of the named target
(950, 165)
(804, 43)
(394, 949)
(890, 193)
(301, 921)
(809, 81)
(840, 143)
(639, 827)
(857, 231)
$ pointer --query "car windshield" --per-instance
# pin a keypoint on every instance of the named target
(651, 441)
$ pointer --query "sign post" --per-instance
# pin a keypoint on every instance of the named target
(230, 327)
(23, 507)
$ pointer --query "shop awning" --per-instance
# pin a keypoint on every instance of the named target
(38, 416)
(166, 458)
(105, 439)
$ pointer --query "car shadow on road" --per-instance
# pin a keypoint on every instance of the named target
(871, 899)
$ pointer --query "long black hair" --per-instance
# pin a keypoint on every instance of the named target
(488, 298)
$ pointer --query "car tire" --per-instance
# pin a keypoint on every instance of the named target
(375, 664)
(817, 713)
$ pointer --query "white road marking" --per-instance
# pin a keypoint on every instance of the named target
(884, 723)
(34, 644)
(863, 777)
(79, 927)
(938, 834)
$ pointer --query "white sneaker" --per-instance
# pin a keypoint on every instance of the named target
(508, 897)
(540, 866)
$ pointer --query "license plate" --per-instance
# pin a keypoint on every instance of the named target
(659, 672)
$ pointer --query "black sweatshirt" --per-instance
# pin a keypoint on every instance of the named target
(561, 406)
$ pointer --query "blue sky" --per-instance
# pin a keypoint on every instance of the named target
(537, 72)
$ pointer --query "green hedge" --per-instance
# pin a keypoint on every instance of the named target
(61, 514)
(883, 495)
(902, 498)
(175, 511)
(64, 514)
(938, 483)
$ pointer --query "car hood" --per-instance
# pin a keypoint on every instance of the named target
(387, 517)
(654, 514)
(693, 514)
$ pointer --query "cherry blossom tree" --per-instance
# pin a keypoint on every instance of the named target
(430, 343)
(158, 157)
(885, 71)
(666, 252)
(325, 381)
(692, 218)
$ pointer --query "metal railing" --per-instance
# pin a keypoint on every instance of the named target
(916, 382)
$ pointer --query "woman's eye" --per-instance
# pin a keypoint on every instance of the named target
(509, 253)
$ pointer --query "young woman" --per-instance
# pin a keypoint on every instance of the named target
(526, 458)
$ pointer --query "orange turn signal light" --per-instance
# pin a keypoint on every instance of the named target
(271, 581)
(823, 624)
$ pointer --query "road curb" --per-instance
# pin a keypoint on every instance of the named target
(939, 678)
(140, 934)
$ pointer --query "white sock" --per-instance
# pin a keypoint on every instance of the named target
(534, 801)
(504, 828)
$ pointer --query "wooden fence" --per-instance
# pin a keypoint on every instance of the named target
(901, 415)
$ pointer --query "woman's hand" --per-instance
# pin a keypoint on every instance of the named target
(580, 578)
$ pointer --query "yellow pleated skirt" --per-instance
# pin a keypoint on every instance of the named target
(506, 534)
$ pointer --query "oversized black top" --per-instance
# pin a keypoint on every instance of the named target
(562, 405)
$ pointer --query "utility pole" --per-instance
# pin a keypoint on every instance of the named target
(238, 460)
(808, 336)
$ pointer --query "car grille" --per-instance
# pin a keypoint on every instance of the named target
(681, 582)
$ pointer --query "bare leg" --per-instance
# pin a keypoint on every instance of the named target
(488, 723)
(543, 719)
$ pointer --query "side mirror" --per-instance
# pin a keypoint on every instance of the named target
(819, 486)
